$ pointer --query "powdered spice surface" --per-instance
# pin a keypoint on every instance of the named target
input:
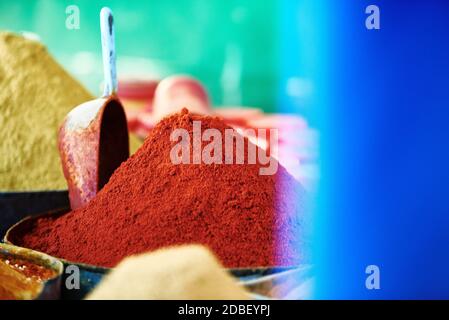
(247, 219)
(35, 95)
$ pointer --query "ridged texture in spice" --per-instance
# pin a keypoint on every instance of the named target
(36, 93)
(247, 219)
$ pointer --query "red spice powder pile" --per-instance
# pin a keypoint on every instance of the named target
(246, 218)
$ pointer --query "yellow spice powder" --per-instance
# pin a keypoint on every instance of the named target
(35, 95)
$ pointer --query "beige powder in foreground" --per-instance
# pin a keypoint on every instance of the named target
(181, 273)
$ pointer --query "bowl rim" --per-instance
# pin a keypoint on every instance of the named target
(49, 286)
(21, 192)
(51, 213)
(33, 256)
(238, 272)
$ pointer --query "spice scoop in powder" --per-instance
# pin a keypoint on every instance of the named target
(247, 219)
(93, 140)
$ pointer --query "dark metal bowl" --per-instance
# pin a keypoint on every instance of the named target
(91, 275)
(51, 289)
(14, 206)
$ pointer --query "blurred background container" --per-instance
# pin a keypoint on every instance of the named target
(234, 47)
(266, 54)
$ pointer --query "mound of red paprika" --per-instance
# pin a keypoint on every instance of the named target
(246, 218)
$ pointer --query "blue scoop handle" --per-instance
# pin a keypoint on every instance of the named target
(108, 50)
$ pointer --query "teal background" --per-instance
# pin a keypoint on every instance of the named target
(231, 46)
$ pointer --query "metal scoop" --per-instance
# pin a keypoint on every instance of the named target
(93, 139)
